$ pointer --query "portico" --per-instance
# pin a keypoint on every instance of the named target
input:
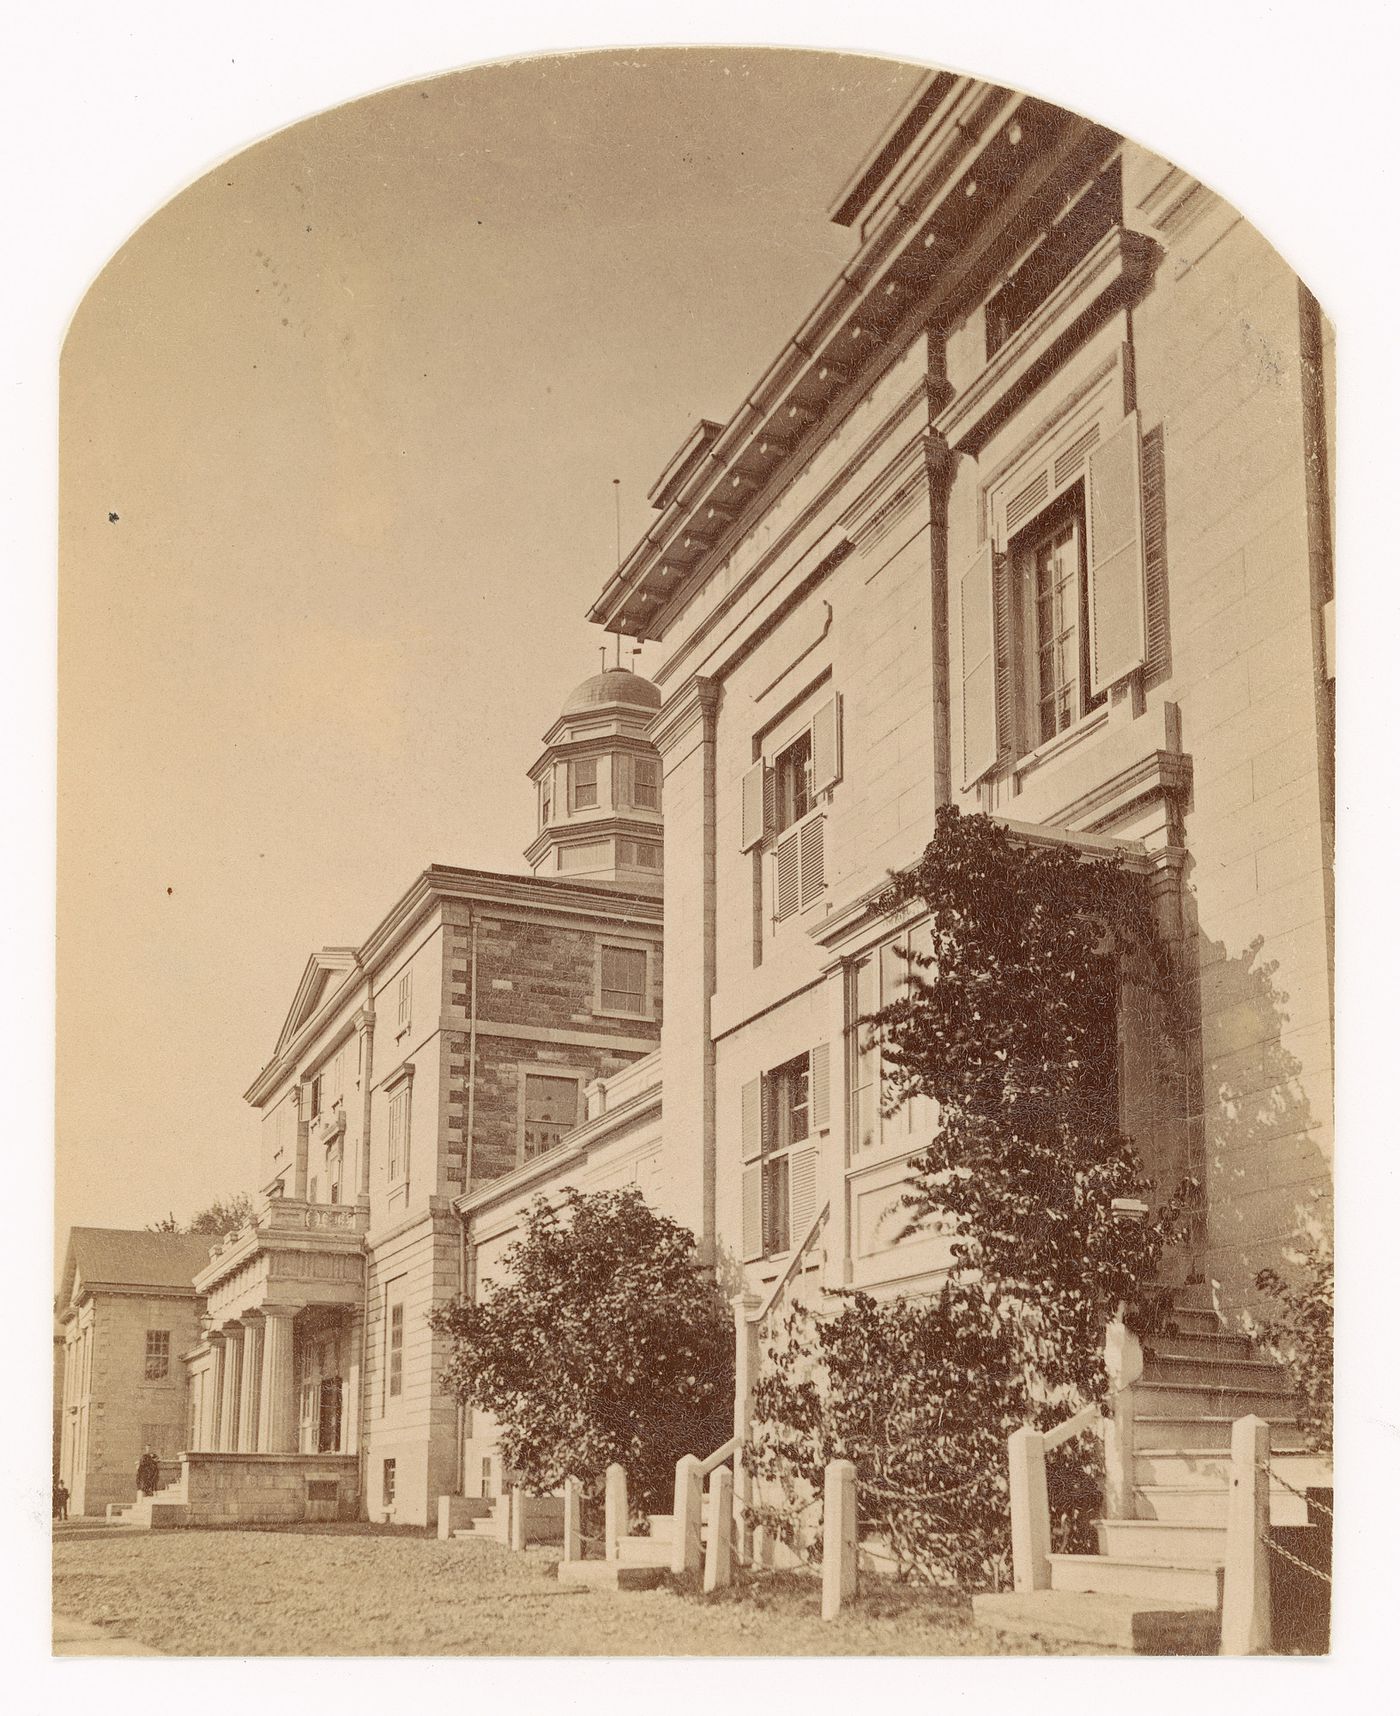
(278, 1382)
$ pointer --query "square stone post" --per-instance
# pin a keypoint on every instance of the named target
(277, 1421)
(614, 1510)
(248, 1387)
(746, 1340)
(686, 1552)
(228, 1398)
(839, 1564)
(1246, 1621)
(719, 1550)
(1030, 1510)
(573, 1520)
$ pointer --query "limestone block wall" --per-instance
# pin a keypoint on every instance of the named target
(1220, 345)
(418, 1265)
(243, 1489)
(125, 1413)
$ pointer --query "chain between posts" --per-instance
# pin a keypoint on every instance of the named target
(1303, 1495)
(1267, 1468)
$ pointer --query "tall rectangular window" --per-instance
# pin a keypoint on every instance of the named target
(316, 1096)
(623, 986)
(405, 1000)
(388, 1483)
(395, 1368)
(399, 1116)
(583, 783)
(880, 977)
(550, 1109)
(157, 1355)
(792, 771)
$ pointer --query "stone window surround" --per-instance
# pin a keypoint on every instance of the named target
(546, 1069)
(633, 945)
(398, 1086)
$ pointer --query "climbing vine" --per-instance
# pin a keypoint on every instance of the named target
(1009, 1021)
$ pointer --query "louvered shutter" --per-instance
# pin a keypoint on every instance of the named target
(979, 688)
(752, 1144)
(1154, 555)
(819, 1085)
(802, 1193)
(826, 746)
(813, 855)
(787, 875)
(1005, 659)
(753, 818)
(1117, 605)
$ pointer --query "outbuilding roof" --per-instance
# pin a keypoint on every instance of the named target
(131, 1257)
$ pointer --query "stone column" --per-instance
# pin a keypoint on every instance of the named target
(353, 1383)
(364, 1024)
(248, 1388)
(213, 1404)
(228, 1404)
(277, 1426)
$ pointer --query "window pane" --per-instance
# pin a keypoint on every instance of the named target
(624, 979)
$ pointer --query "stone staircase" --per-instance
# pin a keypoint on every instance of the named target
(487, 1516)
(162, 1511)
(1155, 1584)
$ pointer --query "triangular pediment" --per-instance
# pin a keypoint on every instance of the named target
(323, 973)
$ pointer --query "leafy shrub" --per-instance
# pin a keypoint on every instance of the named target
(921, 1394)
(1299, 1333)
(604, 1343)
(1010, 1023)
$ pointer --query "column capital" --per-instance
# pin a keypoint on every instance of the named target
(364, 1021)
(694, 703)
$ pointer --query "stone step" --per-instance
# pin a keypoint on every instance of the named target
(1171, 1369)
(609, 1576)
(1174, 1540)
(1185, 1321)
(1193, 1296)
(1153, 1626)
(1211, 1347)
(643, 1552)
(1168, 1399)
(1184, 1581)
(1195, 1432)
(1207, 1504)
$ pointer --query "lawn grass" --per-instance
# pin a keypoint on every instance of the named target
(366, 1592)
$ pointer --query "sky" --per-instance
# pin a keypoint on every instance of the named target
(339, 429)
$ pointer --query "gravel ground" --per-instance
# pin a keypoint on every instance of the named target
(345, 1591)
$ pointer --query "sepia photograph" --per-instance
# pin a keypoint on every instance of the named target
(695, 884)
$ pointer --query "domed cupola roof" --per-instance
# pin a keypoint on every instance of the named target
(613, 685)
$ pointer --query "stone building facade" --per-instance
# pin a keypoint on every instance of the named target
(454, 1045)
(128, 1312)
(1031, 516)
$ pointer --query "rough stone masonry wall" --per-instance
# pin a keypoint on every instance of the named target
(540, 977)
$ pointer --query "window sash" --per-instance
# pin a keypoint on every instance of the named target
(157, 1355)
(624, 980)
(583, 783)
(549, 1110)
(395, 1351)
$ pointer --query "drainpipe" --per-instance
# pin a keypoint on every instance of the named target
(366, 1026)
(469, 1164)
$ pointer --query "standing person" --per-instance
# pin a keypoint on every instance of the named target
(60, 1499)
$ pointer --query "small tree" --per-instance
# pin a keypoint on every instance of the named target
(222, 1216)
(605, 1343)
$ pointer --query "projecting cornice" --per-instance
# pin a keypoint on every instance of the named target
(985, 156)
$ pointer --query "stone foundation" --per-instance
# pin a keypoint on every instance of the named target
(235, 1489)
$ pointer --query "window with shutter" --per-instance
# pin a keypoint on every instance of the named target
(787, 873)
(813, 854)
(405, 999)
(1117, 604)
(879, 978)
(826, 746)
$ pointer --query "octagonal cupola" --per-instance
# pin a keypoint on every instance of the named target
(598, 786)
